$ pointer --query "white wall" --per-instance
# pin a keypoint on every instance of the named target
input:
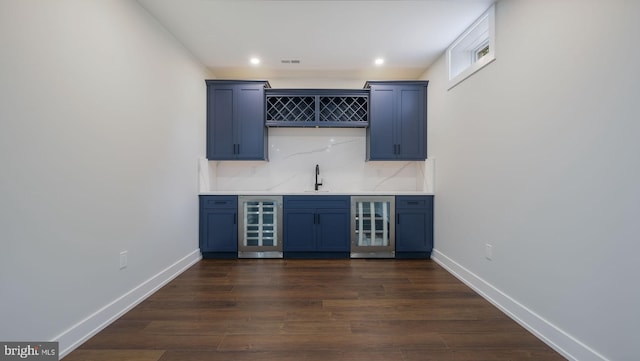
(538, 155)
(337, 82)
(102, 119)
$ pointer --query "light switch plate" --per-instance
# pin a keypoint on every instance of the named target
(123, 259)
(488, 251)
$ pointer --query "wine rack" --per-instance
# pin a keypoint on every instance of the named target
(290, 109)
(317, 108)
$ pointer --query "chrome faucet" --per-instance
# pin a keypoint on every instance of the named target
(317, 174)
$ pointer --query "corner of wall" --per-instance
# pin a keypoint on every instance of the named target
(90, 326)
(204, 175)
(552, 335)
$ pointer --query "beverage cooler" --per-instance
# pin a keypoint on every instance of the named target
(372, 226)
(260, 227)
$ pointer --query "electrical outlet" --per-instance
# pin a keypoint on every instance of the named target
(123, 259)
(488, 251)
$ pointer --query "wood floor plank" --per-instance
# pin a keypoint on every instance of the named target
(312, 310)
(299, 355)
(188, 327)
(439, 326)
(487, 340)
(146, 341)
(336, 342)
(111, 355)
(481, 354)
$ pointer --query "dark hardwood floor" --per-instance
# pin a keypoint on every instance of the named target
(314, 310)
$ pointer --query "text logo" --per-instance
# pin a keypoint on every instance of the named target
(42, 351)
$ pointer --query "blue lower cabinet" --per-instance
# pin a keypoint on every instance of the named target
(316, 226)
(299, 230)
(414, 226)
(219, 226)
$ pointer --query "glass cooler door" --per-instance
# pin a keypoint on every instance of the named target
(260, 227)
(372, 226)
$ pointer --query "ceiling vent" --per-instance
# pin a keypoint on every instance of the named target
(290, 61)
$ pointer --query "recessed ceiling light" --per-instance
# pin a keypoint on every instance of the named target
(254, 61)
(379, 61)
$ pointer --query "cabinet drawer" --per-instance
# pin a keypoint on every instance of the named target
(207, 202)
(413, 201)
(317, 202)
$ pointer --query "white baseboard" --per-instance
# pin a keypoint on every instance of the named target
(75, 336)
(559, 340)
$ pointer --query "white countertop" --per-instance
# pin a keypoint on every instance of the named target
(311, 193)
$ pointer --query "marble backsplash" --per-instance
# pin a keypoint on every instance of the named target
(293, 155)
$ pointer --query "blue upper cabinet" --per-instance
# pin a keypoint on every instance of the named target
(397, 120)
(235, 120)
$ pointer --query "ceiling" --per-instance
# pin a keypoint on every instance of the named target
(329, 38)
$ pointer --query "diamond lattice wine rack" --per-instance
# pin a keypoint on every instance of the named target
(317, 108)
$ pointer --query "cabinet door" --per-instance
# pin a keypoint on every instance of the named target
(397, 121)
(249, 130)
(299, 230)
(218, 226)
(220, 124)
(414, 225)
(218, 231)
(382, 143)
(235, 120)
(412, 232)
(333, 230)
(411, 123)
